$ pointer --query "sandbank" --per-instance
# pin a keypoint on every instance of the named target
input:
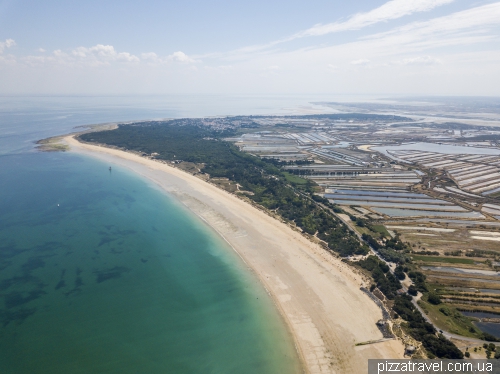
(316, 293)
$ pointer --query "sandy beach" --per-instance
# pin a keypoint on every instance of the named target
(317, 294)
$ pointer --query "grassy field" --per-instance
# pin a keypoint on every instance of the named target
(362, 230)
(381, 230)
(450, 260)
(294, 179)
(461, 282)
(377, 230)
(455, 322)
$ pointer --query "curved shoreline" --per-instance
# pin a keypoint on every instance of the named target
(317, 295)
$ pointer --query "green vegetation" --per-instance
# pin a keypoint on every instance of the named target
(433, 298)
(491, 349)
(451, 260)
(392, 250)
(386, 282)
(380, 229)
(399, 272)
(418, 279)
(52, 145)
(426, 253)
(420, 329)
(289, 196)
(294, 179)
(467, 296)
(448, 318)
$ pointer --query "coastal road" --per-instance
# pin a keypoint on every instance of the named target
(447, 334)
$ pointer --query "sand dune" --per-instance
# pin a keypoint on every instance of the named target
(317, 295)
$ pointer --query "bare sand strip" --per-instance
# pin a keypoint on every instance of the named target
(492, 238)
(419, 228)
(317, 295)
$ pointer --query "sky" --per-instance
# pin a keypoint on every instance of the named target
(111, 47)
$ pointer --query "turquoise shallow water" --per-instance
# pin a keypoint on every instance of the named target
(100, 272)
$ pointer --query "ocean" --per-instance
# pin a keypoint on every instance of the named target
(101, 272)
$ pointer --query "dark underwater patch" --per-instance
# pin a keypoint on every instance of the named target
(77, 285)
(112, 273)
(128, 199)
(10, 251)
(33, 264)
(8, 316)
(20, 280)
(5, 264)
(78, 282)
(49, 246)
(105, 240)
(16, 298)
(78, 279)
(60, 284)
(114, 234)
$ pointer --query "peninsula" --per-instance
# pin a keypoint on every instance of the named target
(317, 294)
(329, 212)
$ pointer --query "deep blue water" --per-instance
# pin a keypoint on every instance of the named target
(100, 272)
(489, 327)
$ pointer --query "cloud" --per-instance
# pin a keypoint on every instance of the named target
(464, 27)
(41, 50)
(7, 44)
(430, 43)
(150, 56)
(180, 57)
(98, 55)
(411, 44)
(421, 60)
(103, 54)
(407, 54)
(362, 61)
(393, 9)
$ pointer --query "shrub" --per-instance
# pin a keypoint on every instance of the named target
(433, 298)
(445, 311)
(420, 329)
(399, 272)
(412, 290)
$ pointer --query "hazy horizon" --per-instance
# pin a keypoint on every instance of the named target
(396, 47)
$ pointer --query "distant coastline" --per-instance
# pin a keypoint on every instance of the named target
(317, 295)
